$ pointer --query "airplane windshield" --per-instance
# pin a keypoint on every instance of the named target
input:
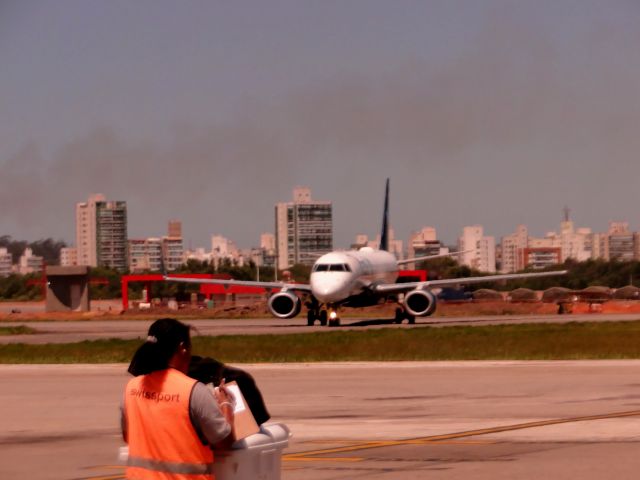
(333, 267)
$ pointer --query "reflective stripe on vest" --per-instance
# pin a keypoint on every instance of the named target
(171, 467)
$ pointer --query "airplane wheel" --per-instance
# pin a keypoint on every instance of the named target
(411, 319)
(399, 316)
(334, 322)
(311, 318)
(323, 318)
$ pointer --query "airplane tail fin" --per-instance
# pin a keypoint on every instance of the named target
(384, 239)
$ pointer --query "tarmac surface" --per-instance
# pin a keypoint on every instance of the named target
(75, 331)
(403, 420)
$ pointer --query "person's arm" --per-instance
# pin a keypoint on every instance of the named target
(212, 421)
(123, 421)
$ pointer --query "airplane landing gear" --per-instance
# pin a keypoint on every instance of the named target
(323, 317)
(401, 314)
(334, 320)
(311, 317)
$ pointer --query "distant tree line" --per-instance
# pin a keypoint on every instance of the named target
(614, 274)
(47, 248)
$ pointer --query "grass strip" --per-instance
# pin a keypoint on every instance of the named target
(570, 341)
(17, 330)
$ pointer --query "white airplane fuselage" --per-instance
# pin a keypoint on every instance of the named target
(337, 276)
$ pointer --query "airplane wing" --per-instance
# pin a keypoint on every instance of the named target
(431, 257)
(242, 283)
(403, 287)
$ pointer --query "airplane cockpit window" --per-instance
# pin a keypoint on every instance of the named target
(339, 267)
(331, 267)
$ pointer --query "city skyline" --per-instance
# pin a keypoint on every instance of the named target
(486, 112)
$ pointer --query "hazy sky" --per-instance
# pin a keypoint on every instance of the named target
(480, 111)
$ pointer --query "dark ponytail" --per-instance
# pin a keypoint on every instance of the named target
(165, 336)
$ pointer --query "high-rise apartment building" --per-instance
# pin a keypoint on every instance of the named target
(173, 246)
(480, 250)
(512, 247)
(304, 229)
(101, 233)
(157, 254)
(145, 254)
(5, 262)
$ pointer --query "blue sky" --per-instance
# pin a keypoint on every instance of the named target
(492, 112)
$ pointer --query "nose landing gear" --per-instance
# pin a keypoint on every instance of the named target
(334, 320)
(401, 314)
(325, 316)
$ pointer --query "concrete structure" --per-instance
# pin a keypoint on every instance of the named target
(101, 233)
(68, 256)
(68, 289)
(304, 229)
(29, 263)
(483, 254)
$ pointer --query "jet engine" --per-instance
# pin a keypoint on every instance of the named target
(420, 303)
(284, 305)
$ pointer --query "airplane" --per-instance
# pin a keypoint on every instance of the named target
(359, 278)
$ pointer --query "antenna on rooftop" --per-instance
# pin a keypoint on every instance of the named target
(566, 211)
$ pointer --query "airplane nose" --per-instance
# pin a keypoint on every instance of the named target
(327, 290)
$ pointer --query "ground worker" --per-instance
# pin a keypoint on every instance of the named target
(169, 420)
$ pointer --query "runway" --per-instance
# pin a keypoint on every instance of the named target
(409, 420)
(76, 331)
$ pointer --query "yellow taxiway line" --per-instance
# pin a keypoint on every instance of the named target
(437, 439)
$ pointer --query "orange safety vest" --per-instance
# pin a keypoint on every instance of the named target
(163, 444)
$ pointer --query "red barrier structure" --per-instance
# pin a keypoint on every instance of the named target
(206, 289)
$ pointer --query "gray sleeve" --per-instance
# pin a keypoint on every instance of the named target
(206, 415)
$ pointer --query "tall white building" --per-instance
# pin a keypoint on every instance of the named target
(5, 262)
(304, 229)
(86, 230)
(512, 247)
(483, 249)
(101, 233)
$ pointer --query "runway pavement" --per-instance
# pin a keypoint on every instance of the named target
(404, 420)
(75, 331)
